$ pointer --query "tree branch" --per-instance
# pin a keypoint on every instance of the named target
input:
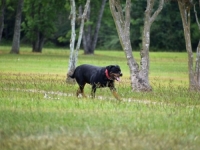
(118, 12)
(115, 10)
(82, 24)
(197, 20)
(127, 17)
(160, 7)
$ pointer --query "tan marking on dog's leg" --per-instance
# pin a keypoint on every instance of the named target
(83, 94)
(116, 95)
(92, 94)
(78, 92)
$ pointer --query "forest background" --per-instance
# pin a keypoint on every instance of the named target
(51, 18)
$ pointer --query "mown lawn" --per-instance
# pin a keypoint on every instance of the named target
(38, 110)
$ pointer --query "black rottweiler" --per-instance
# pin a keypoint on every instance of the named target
(98, 77)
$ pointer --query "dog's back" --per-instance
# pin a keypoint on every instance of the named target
(85, 72)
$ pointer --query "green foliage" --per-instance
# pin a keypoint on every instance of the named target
(9, 22)
(196, 35)
(40, 17)
(137, 22)
(168, 30)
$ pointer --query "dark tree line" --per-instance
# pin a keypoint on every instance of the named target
(46, 23)
(2, 11)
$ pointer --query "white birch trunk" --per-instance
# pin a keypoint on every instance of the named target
(71, 65)
(74, 52)
(81, 30)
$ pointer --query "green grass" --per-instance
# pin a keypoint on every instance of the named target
(38, 110)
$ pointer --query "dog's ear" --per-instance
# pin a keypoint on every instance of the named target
(117, 66)
(109, 67)
(114, 69)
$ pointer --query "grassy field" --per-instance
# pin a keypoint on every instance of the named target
(38, 110)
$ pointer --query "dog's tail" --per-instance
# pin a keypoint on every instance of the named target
(70, 77)
(70, 74)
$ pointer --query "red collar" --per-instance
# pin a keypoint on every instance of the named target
(107, 75)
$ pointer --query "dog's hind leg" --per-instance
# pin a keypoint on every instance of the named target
(81, 90)
(93, 91)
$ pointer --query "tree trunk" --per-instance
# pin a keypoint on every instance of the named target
(37, 45)
(149, 19)
(2, 11)
(72, 63)
(38, 42)
(89, 39)
(197, 67)
(74, 52)
(16, 36)
(184, 8)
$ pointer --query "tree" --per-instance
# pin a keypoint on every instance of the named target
(148, 20)
(74, 52)
(122, 23)
(184, 7)
(39, 21)
(2, 10)
(139, 77)
(89, 36)
(16, 37)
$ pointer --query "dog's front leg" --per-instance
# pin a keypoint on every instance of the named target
(114, 92)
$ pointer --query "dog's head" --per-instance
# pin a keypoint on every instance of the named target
(113, 72)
